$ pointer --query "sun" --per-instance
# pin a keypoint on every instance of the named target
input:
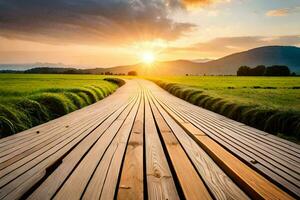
(148, 58)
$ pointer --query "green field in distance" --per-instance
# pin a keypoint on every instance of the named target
(281, 93)
(271, 104)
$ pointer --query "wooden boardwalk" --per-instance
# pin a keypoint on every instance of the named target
(143, 143)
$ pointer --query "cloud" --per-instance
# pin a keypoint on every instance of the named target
(226, 45)
(88, 21)
(282, 12)
(201, 3)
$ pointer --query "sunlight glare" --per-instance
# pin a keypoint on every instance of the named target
(148, 58)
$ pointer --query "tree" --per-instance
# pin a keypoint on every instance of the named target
(108, 73)
(261, 70)
(258, 71)
(243, 71)
(277, 70)
(132, 73)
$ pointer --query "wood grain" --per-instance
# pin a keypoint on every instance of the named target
(143, 143)
(131, 184)
(254, 184)
(160, 182)
(50, 186)
(220, 185)
(184, 169)
(76, 183)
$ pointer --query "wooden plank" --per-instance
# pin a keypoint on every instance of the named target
(220, 185)
(131, 184)
(14, 170)
(57, 153)
(29, 142)
(50, 186)
(69, 135)
(281, 180)
(76, 183)
(246, 158)
(274, 137)
(93, 158)
(111, 182)
(107, 171)
(62, 122)
(208, 114)
(41, 162)
(268, 152)
(291, 166)
(33, 133)
(273, 163)
(94, 189)
(252, 161)
(255, 185)
(33, 148)
(160, 183)
(78, 114)
(25, 186)
(13, 139)
(50, 157)
(284, 146)
(47, 134)
(272, 146)
(184, 169)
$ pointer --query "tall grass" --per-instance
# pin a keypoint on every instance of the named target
(20, 111)
(117, 81)
(284, 123)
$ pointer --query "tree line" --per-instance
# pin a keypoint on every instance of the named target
(57, 70)
(261, 70)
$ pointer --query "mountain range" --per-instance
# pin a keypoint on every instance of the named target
(228, 65)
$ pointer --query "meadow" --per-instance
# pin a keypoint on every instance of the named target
(271, 104)
(27, 100)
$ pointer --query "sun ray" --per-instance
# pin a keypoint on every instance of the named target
(148, 58)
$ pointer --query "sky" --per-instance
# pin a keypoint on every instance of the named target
(105, 33)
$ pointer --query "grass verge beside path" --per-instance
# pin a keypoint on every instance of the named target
(30, 100)
(257, 103)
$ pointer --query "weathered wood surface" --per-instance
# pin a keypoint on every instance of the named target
(131, 184)
(143, 143)
(280, 166)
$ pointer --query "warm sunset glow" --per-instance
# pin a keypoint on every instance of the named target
(148, 58)
(110, 33)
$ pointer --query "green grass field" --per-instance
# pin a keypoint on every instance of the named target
(28, 100)
(268, 103)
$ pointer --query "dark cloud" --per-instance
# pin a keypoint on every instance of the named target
(88, 21)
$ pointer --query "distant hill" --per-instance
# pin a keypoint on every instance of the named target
(228, 65)
(269, 55)
(202, 60)
(32, 65)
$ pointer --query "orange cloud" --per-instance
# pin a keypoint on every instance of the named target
(195, 3)
(282, 12)
(278, 12)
